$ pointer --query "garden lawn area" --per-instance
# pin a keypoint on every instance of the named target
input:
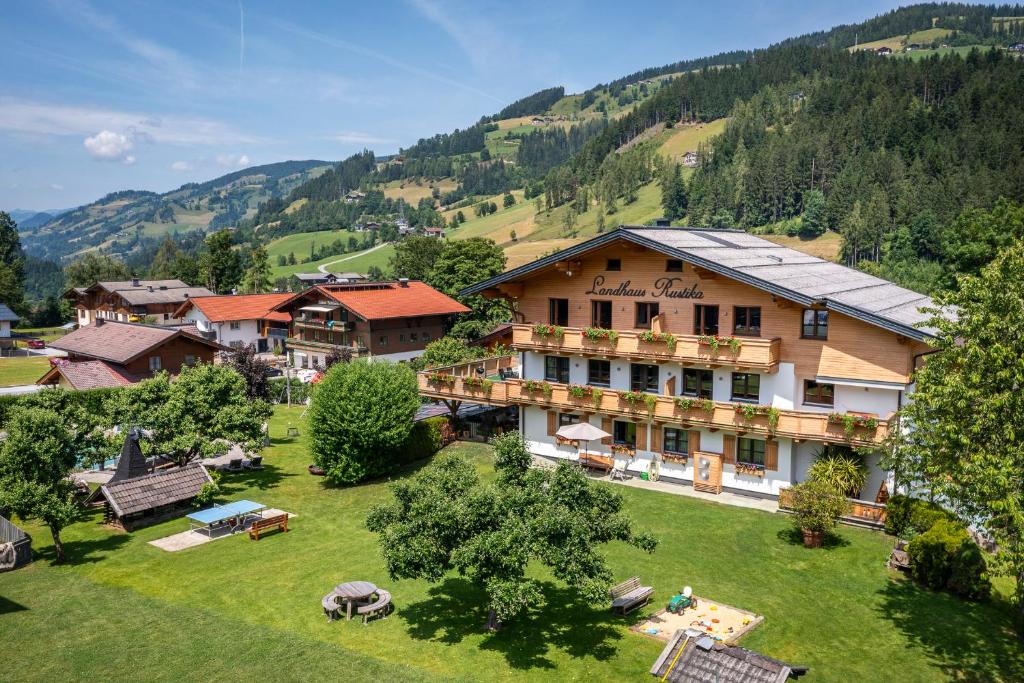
(237, 608)
(22, 370)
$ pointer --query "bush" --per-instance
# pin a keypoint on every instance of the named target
(360, 417)
(843, 471)
(816, 506)
(906, 516)
(425, 438)
(945, 557)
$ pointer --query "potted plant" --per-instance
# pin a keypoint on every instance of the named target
(816, 510)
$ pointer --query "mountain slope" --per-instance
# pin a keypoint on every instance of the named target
(121, 220)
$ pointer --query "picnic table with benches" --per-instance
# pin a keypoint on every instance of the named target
(630, 595)
(593, 461)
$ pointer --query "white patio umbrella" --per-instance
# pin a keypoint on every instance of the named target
(582, 431)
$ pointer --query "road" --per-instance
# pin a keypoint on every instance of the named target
(324, 267)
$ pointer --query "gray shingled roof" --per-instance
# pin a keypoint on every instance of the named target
(779, 270)
(703, 659)
(120, 342)
(166, 487)
(7, 314)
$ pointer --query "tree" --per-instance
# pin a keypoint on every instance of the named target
(36, 460)
(206, 406)
(673, 193)
(360, 414)
(95, 267)
(448, 350)
(374, 273)
(257, 275)
(445, 519)
(965, 444)
(12, 264)
(252, 369)
(813, 223)
(508, 200)
(162, 267)
(460, 264)
(291, 258)
(414, 257)
(220, 263)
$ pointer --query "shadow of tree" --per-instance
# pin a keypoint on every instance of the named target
(266, 478)
(794, 536)
(8, 606)
(967, 641)
(84, 551)
(457, 609)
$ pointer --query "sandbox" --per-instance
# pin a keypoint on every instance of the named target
(720, 621)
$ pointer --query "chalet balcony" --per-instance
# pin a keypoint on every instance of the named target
(465, 383)
(317, 345)
(744, 353)
(315, 324)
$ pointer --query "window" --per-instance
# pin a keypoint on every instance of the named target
(558, 312)
(601, 314)
(673, 265)
(382, 340)
(676, 440)
(643, 378)
(815, 324)
(819, 393)
(566, 419)
(190, 360)
(401, 338)
(746, 386)
(698, 383)
(645, 312)
(705, 319)
(748, 321)
(235, 325)
(413, 336)
(624, 433)
(614, 264)
(556, 369)
(167, 316)
(154, 363)
(599, 373)
(426, 336)
(236, 344)
(750, 451)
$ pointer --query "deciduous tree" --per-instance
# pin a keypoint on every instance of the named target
(95, 267)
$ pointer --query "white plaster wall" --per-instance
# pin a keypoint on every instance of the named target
(779, 389)
(771, 482)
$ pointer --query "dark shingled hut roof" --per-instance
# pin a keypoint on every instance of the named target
(150, 491)
(132, 463)
(703, 659)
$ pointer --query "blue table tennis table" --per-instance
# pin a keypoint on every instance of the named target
(233, 515)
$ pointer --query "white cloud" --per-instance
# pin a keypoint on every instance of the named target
(25, 116)
(230, 160)
(56, 186)
(473, 38)
(353, 137)
(110, 146)
(181, 166)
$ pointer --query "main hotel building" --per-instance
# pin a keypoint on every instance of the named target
(713, 358)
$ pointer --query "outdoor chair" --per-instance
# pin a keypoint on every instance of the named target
(619, 473)
(234, 465)
(629, 595)
(254, 463)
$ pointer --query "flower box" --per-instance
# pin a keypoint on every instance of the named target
(750, 468)
(749, 412)
(478, 384)
(687, 404)
(532, 386)
(852, 422)
(635, 398)
(677, 458)
(715, 342)
(599, 334)
(441, 379)
(556, 331)
(623, 449)
(562, 441)
(666, 338)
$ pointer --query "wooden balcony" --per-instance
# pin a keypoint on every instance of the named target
(753, 353)
(463, 383)
(474, 381)
(314, 324)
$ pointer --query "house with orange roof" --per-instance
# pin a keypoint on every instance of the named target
(389, 320)
(237, 320)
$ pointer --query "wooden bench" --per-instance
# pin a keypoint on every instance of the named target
(261, 525)
(604, 463)
(381, 605)
(630, 595)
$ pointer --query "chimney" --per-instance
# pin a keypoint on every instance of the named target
(403, 282)
(662, 222)
(99, 322)
(135, 282)
(150, 288)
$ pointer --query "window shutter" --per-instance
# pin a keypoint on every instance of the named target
(694, 442)
(552, 422)
(771, 455)
(641, 436)
(729, 448)
(606, 425)
(656, 434)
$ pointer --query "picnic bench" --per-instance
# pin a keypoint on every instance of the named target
(264, 523)
(629, 595)
(379, 606)
(592, 461)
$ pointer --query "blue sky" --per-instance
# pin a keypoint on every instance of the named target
(110, 95)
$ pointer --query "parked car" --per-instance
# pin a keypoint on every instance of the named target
(275, 372)
(36, 344)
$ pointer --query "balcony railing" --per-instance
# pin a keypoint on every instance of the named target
(754, 353)
(475, 381)
(464, 384)
(300, 343)
(314, 324)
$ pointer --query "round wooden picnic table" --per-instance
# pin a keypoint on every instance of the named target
(353, 591)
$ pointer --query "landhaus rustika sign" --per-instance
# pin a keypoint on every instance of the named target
(664, 287)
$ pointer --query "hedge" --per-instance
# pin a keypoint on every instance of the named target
(426, 438)
(946, 557)
(905, 515)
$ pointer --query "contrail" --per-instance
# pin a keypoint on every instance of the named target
(241, 38)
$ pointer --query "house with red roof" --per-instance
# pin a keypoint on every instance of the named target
(238, 320)
(389, 320)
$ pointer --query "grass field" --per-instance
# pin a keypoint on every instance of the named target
(683, 139)
(963, 50)
(47, 334)
(301, 242)
(412, 192)
(826, 246)
(22, 370)
(895, 43)
(250, 610)
(928, 36)
(358, 262)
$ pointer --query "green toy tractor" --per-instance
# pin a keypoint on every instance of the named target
(682, 601)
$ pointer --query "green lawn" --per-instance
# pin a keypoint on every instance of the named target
(300, 243)
(358, 262)
(241, 609)
(22, 370)
(47, 334)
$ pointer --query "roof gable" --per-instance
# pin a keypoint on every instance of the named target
(778, 270)
(237, 307)
(385, 300)
(122, 343)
